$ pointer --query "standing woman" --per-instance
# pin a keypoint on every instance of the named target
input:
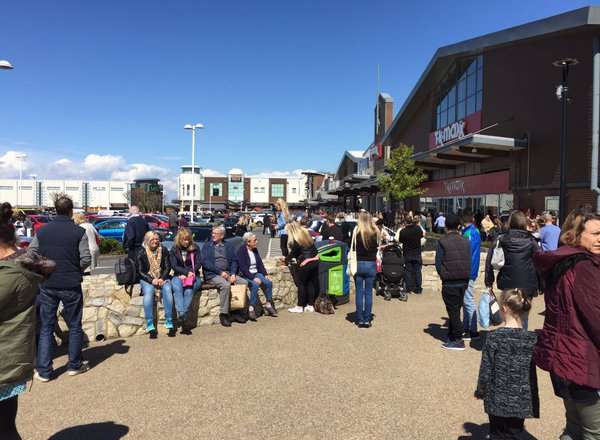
(367, 242)
(283, 217)
(20, 275)
(154, 268)
(185, 261)
(92, 236)
(306, 277)
(569, 343)
(518, 272)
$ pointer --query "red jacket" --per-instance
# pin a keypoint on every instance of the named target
(569, 343)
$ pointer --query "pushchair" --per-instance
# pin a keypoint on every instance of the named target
(390, 281)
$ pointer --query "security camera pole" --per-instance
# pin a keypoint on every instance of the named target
(562, 93)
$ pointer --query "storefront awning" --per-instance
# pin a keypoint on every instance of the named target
(470, 148)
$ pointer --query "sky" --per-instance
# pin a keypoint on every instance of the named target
(102, 89)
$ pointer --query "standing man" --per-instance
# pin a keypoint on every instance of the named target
(134, 232)
(267, 224)
(173, 220)
(220, 266)
(549, 234)
(453, 265)
(410, 237)
(440, 224)
(67, 244)
(471, 233)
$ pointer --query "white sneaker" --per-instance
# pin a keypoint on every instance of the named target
(309, 309)
(37, 376)
(85, 366)
(296, 309)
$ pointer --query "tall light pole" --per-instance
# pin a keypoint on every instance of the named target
(21, 157)
(35, 190)
(193, 127)
(562, 93)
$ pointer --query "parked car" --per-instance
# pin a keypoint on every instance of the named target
(113, 228)
(38, 221)
(258, 218)
(156, 221)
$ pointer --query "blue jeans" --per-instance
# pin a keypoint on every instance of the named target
(363, 281)
(266, 285)
(48, 300)
(469, 309)
(167, 299)
(183, 295)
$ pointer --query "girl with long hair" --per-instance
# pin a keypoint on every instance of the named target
(367, 238)
(306, 275)
(283, 218)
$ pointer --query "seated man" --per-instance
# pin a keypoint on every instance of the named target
(219, 262)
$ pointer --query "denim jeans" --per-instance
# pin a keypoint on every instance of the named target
(266, 285)
(469, 309)
(414, 277)
(183, 295)
(167, 299)
(49, 299)
(363, 281)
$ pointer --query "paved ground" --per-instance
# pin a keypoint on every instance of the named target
(295, 377)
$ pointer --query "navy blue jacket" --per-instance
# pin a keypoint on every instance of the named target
(134, 232)
(208, 260)
(244, 262)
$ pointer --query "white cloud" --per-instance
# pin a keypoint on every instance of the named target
(207, 172)
(95, 162)
(281, 174)
(10, 163)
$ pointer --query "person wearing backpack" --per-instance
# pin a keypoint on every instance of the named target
(569, 344)
(453, 265)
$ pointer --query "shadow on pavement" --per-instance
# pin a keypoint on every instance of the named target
(437, 331)
(93, 431)
(351, 317)
(99, 353)
(480, 432)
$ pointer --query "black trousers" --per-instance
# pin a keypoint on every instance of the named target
(283, 240)
(453, 296)
(414, 278)
(8, 415)
(307, 281)
(507, 428)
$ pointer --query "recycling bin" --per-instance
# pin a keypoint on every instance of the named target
(333, 264)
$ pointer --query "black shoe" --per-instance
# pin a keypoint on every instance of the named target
(172, 333)
(418, 292)
(224, 318)
(387, 297)
(270, 310)
(454, 345)
(180, 321)
(251, 315)
(239, 319)
(185, 330)
(153, 334)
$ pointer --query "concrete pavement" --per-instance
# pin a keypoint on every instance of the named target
(303, 376)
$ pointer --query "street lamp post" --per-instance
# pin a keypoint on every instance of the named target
(562, 93)
(21, 157)
(193, 127)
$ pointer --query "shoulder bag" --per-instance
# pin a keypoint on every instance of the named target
(498, 256)
(352, 257)
(238, 297)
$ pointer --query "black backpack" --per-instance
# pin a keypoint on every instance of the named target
(126, 273)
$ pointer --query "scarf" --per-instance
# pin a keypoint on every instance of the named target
(154, 258)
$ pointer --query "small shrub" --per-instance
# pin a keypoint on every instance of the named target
(108, 246)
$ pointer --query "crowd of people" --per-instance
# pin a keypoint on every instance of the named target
(537, 257)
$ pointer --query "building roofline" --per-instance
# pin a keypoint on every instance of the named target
(588, 15)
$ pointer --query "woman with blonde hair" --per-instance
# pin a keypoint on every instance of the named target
(153, 268)
(283, 217)
(92, 236)
(306, 275)
(366, 238)
(184, 259)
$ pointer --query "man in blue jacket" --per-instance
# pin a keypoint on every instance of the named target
(220, 265)
(471, 233)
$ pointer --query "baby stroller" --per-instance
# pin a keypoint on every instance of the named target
(390, 281)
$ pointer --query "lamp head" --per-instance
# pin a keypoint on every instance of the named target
(565, 62)
(6, 65)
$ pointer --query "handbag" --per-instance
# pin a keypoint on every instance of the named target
(189, 281)
(352, 257)
(498, 256)
(238, 297)
(495, 316)
(489, 310)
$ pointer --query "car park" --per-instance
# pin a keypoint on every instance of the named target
(111, 228)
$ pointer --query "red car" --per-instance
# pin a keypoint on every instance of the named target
(38, 221)
(157, 221)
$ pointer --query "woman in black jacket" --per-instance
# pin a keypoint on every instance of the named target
(518, 271)
(153, 269)
(303, 250)
(184, 259)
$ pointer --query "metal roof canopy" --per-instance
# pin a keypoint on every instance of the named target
(470, 148)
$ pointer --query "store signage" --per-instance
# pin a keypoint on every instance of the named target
(449, 133)
(454, 186)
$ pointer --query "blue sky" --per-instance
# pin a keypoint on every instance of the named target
(279, 85)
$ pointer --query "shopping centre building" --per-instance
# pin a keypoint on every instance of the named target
(485, 122)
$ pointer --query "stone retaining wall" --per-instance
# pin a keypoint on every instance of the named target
(109, 312)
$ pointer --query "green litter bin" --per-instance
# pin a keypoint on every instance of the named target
(333, 262)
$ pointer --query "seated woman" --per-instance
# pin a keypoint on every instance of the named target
(185, 262)
(252, 269)
(153, 267)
